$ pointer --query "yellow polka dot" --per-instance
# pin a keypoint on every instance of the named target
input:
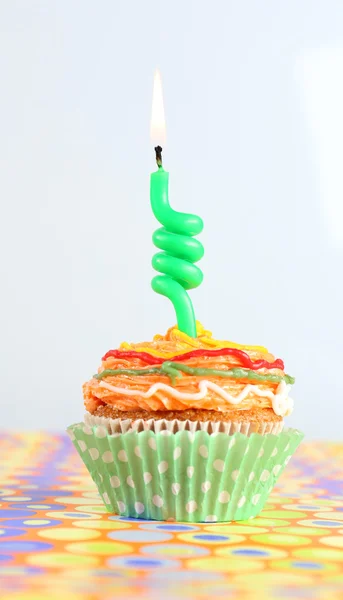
(233, 529)
(75, 500)
(283, 514)
(267, 579)
(100, 548)
(325, 554)
(332, 540)
(68, 533)
(61, 559)
(227, 539)
(92, 494)
(36, 522)
(299, 530)
(38, 506)
(332, 516)
(77, 487)
(56, 514)
(92, 509)
(276, 498)
(281, 539)
(261, 522)
(223, 564)
(102, 524)
(326, 503)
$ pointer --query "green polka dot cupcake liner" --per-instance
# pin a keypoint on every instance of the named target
(184, 476)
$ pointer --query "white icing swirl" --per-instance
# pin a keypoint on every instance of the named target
(281, 403)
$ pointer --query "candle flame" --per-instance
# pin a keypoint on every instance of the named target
(158, 124)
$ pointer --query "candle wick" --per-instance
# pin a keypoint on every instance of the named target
(158, 151)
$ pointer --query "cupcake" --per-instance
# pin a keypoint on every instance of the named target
(186, 428)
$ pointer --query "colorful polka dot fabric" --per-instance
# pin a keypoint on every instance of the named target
(58, 541)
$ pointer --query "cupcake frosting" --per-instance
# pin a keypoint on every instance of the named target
(177, 372)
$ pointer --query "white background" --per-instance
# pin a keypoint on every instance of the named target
(253, 98)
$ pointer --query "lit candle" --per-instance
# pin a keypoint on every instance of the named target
(179, 248)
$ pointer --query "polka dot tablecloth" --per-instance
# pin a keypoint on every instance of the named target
(58, 541)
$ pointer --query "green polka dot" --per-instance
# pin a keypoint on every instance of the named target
(283, 514)
(319, 553)
(92, 509)
(281, 539)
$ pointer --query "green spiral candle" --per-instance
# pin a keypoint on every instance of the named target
(179, 250)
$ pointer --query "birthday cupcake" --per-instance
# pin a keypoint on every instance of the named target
(186, 428)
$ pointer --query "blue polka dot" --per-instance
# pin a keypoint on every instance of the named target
(18, 505)
(6, 557)
(175, 527)
(249, 552)
(21, 570)
(24, 546)
(106, 573)
(10, 532)
(328, 523)
(132, 535)
(140, 562)
(133, 519)
(209, 537)
(47, 506)
(78, 515)
(307, 565)
(191, 576)
(19, 523)
(143, 562)
(16, 514)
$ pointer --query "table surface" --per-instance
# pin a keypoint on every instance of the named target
(57, 540)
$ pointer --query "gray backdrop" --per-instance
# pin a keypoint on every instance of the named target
(253, 97)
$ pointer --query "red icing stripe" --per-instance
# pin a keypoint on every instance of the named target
(156, 360)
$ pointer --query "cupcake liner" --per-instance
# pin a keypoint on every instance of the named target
(157, 425)
(183, 476)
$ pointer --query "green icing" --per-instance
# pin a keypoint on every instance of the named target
(231, 373)
(133, 372)
(174, 370)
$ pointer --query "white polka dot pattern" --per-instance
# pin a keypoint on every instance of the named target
(147, 477)
(122, 456)
(139, 507)
(276, 470)
(145, 474)
(203, 451)
(94, 452)
(224, 497)
(190, 472)
(138, 452)
(175, 488)
(218, 465)
(265, 475)
(115, 481)
(191, 506)
(157, 500)
(177, 453)
(107, 457)
(205, 486)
